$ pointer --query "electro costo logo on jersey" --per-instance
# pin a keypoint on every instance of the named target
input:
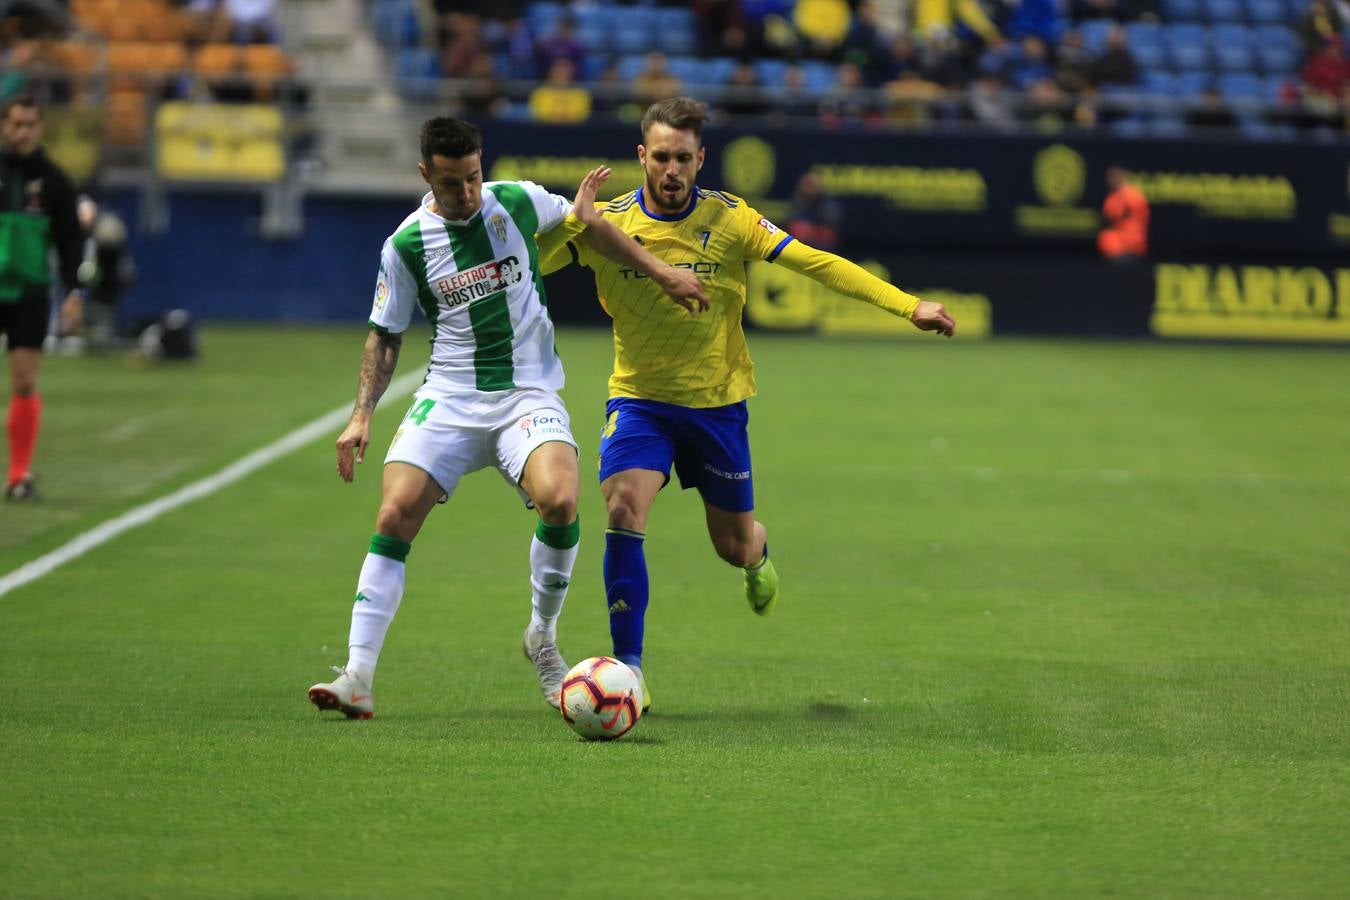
(480, 281)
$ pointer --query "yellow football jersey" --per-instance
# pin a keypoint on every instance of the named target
(661, 352)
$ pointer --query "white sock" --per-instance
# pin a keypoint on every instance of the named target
(378, 592)
(550, 574)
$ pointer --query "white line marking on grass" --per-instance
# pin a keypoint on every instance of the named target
(148, 512)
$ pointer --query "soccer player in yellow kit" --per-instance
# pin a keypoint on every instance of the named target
(680, 383)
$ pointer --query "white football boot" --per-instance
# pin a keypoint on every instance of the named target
(346, 693)
(548, 662)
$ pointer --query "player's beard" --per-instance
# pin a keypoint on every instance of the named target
(680, 201)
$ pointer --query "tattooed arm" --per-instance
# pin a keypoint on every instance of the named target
(377, 367)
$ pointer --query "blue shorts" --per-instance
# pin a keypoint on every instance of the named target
(710, 448)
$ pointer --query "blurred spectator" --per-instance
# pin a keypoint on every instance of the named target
(1211, 111)
(816, 216)
(30, 19)
(743, 97)
(464, 43)
(107, 271)
(1328, 70)
(1115, 64)
(795, 100)
(562, 44)
(1319, 24)
(723, 29)
(655, 81)
(910, 99)
(901, 58)
(252, 21)
(483, 95)
(1040, 18)
(240, 21)
(824, 24)
(1045, 106)
(559, 100)
(940, 17)
(990, 104)
(1073, 63)
(865, 45)
(1120, 10)
(1030, 64)
(1125, 236)
(515, 43)
(846, 101)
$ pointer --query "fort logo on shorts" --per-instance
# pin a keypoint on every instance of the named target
(542, 423)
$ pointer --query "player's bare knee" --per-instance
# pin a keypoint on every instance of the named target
(623, 512)
(557, 507)
(396, 521)
(24, 384)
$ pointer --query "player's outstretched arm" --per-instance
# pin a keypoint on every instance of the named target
(852, 280)
(378, 361)
(605, 238)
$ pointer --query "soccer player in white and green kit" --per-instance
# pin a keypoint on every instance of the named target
(468, 257)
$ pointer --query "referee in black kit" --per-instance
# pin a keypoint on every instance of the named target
(37, 213)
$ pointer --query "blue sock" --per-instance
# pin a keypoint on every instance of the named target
(626, 592)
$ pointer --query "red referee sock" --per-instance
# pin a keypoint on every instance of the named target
(24, 413)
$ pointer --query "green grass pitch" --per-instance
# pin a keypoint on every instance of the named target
(1058, 619)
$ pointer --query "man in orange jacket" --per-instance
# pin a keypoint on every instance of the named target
(1126, 213)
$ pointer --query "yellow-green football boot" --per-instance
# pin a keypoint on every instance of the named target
(761, 587)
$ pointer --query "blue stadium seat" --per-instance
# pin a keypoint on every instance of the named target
(770, 71)
(1190, 84)
(820, 76)
(1151, 56)
(1276, 49)
(676, 29)
(1232, 45)
(1183, 10)
(593, 65)
(628, 67)
(395, 23)
(415, 71)
(603, 17)
(1274, 87)
(689, 69)
(593, 37)
(1188, 45)
(542, 17)
(1224, 10)
(630, 39)
(1266, 12)
(1132, 127)
(1094, 33)
(1160, 82)
(1167, 127)
(1241, 87)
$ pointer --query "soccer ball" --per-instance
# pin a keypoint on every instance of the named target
(601, 699)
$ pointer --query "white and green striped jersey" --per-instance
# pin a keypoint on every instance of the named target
(479, 285)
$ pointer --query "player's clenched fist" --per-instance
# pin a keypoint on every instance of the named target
(354, 438)
(930, 316)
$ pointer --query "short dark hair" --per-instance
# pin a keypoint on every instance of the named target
(452, 138)
(680, 113)
(24, 101)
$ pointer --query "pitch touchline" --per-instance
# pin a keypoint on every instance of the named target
(148, 512)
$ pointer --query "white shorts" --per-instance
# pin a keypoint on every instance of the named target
(449, 436)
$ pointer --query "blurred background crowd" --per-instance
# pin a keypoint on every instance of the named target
(1259, 68)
